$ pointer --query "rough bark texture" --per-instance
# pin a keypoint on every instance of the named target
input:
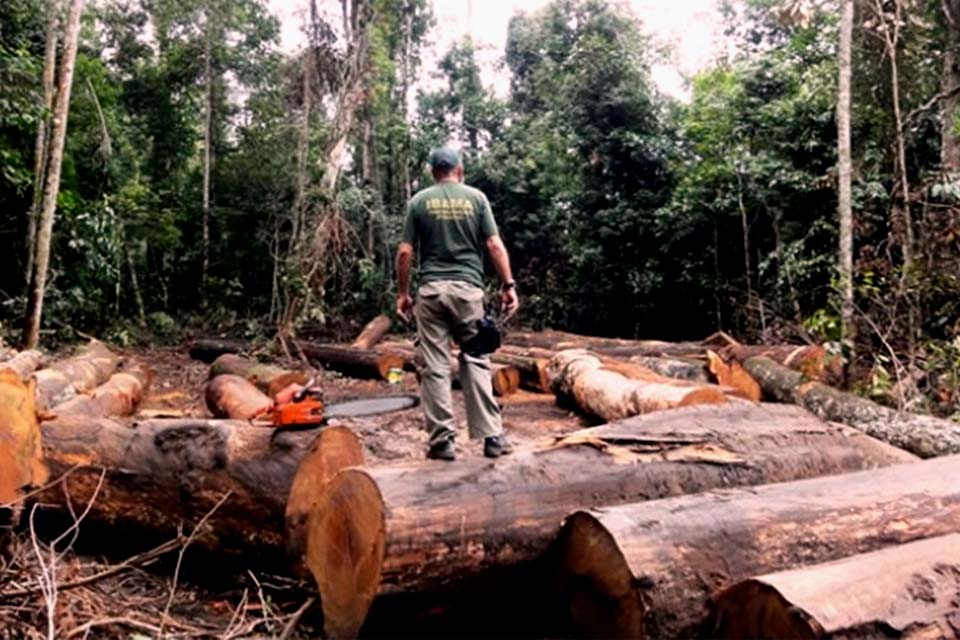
(24, 363)
(926, 436)
(648, 569)
(357, 363)
(62, 380)
(230, 396)
(58, 135)
(560, 340)
(118, 396)
(268, 378)
(166, 473)
(689, 369)
(209, 349)
(428, 525)
(21, 460)
(904, 591)
(600, 389)
(373, 333)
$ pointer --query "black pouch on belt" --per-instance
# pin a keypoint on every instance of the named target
(486, 340)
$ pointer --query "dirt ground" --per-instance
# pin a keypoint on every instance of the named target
(138, 598)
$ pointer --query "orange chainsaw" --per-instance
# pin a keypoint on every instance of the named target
(305, 408)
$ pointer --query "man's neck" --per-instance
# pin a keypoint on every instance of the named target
(448, 180)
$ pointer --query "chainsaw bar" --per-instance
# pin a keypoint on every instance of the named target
(370, 406)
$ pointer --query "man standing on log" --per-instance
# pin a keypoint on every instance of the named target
(450, 224)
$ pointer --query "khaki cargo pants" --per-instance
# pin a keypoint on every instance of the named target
(445, 310)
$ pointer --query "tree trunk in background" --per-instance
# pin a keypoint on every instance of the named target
(950, 87)
(303, 148)
(848, 329)
(373, 332)
(31, 331)
(207, 157)
(40, 149)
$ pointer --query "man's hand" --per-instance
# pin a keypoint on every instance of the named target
(404, 306)
(510, 301)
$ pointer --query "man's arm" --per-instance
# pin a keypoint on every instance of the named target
(404, 263)
(501, 262)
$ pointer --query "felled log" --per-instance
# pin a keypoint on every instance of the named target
(810, 360)
(372, 333)
(21, 458)
(926, 436)
(533, 371)
(403, 349)
(24, 363)
(904, 591)
(166, 473)
(613, 347)
(732, 374)
(599, 389)
(230, 396)
(428, 526)
(91, 367)
(688, 369)
(209, 349)
(268, 378)
(118, 396)
(357, 363)
(647, 569)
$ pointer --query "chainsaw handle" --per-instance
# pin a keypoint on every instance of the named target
(301, 395)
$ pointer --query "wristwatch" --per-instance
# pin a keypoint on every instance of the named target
(509, 285)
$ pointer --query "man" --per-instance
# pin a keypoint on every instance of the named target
(451, 224)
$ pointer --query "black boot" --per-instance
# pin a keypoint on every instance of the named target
(443, 450)
(496, 446)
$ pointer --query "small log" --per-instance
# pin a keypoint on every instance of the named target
(209, 349)
(25, 363)
(21, 455)
(373, 333)
(647, 569)
(118, 396)
(734, 376)
(268, 378)
(431, 526)
(357, 363)
(230, 396)
(166, 474)
(62, 380)
(599, 389)
(533, 371)
(926, 436)
(904, 591)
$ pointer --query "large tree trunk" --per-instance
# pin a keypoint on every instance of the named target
(268, 378)
(24, 363)
(91, 367)
(426, 525)
(21, 458)
(904, 591)
(167, 474)
(207, 152)
(230, 396)
(34, 313)
(353, 362)
(923, 435)
(648, 569)
(601, 390)
(118, 396)
(560, 340)
(950, 87)
(372, 333)
(209, 349)
(844, 170)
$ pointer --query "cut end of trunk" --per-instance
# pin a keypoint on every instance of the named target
(596, 590)
(336, 448)
(506, 380)
(20, 443)
(702, 395)
(346, 535)
(753, 609)
(388, 361)
(230, 396)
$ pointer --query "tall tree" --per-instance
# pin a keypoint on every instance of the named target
(31, 331)
(950, 86)
(845, 62)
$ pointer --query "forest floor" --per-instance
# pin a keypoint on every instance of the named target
(137, 599)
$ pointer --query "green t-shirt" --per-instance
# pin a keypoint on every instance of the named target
(450, 223)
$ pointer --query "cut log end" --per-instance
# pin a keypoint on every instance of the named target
(21, 455)
(596, 589)
(752, 609)
(334, 449)
(506, 380)
(346, 536)
(388, 361)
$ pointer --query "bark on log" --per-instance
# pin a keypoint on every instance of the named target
(62, 380)
(926, 436)
(352, 362)
(810, 360)
(613, 347)
(372, 333)
(24, 363)
(230, 396)
(166, 473)
(209, 349)
(647, 569)
(268, 378)
(21, 459)
(597, 388)
(904, 591)
(118, 396)
(689, 369)
(427, 525)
